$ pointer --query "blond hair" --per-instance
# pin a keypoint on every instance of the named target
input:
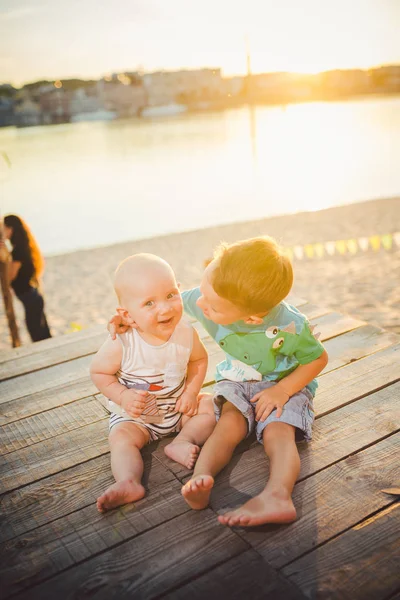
(254, 274)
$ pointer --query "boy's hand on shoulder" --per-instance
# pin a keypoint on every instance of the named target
(187, 404)
(133, 402)
(116, 325)
(268, 400)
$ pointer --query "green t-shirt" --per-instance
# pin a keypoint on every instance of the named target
(269, 351)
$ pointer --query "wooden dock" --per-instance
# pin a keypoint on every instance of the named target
(55, 462)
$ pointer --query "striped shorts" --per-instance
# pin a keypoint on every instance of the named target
(172, 423)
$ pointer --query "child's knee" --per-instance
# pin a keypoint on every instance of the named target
(229, 410)
(275, 430)
(127, 434)
(205, 405)
(234, 420)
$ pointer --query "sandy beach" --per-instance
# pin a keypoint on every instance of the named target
(78, 286)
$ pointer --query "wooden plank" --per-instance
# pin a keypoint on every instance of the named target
(361, 564)
(51, 377)
(357, 379)
(150, 565)
(44, 346)
(313, 311)
(53, 455)
(356, 344)
(51, 548)
(334, 324)
(330, 502)
(60, 354)
(53, 351)
(244, 576)
(45, 501)
(37, 402)
(49, 424)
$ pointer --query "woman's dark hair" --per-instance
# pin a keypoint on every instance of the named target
(22, 237)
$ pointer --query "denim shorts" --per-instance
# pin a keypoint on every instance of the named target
(298, 410)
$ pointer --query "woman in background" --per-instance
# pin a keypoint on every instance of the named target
(25, 271)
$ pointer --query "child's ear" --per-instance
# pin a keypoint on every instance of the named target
(126, 317)
(253, 320)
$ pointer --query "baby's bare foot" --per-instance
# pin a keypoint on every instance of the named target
(184, 453)
(197, 491)
(267, 507)
(121, 492)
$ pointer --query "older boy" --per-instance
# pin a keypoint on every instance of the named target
(152, 375)
(266, 381)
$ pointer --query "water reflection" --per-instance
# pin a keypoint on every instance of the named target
(87, 184)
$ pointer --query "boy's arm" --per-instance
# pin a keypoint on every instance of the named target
(196, 372)
(304, 374)
(103, 369)
(279, 394)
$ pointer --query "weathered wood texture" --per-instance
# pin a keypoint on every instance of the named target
(55, 462)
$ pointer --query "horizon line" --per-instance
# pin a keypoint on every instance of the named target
(198, 68)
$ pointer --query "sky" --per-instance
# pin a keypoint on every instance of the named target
(60, 39)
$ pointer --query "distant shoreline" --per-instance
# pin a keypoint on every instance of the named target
(221, 107)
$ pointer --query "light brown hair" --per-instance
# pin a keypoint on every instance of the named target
(254, 274)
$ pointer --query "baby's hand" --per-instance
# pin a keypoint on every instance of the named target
(268, 400)
(133, 402)
(187, 404)
(116, 325)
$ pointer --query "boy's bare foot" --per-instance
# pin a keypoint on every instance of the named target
(184, 453)
(197, 491)
(267, 507)
(121, 492)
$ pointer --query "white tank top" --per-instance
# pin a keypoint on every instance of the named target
(160, 370)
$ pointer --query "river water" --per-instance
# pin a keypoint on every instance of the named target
(87, 184)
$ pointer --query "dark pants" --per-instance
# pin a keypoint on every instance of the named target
(35, 318)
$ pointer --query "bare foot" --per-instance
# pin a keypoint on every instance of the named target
(121, 492)
(184, 453)
(197, 491)
(267, 507)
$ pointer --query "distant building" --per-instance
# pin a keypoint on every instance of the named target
(168, 87)
(338, 82)
(55, 106)
(84, 101)
(387, 78)
(7, 116)
(7, 96)
(125, 99)
(27, 113)
(234, 86)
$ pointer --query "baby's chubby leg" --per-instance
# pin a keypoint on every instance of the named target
(185, 448)
(126, 440)
(230, 430)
